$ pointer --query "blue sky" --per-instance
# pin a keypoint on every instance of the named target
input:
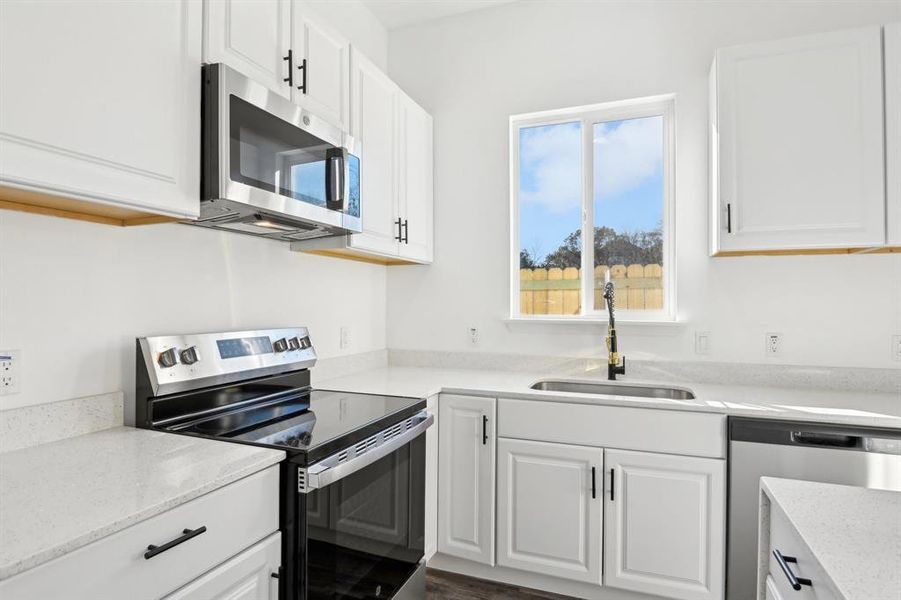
(628, 174)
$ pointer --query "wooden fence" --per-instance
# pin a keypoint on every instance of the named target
(558, 291)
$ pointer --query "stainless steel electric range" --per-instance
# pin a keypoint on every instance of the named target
(353, 484)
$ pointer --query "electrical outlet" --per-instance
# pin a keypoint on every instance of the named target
(474, 336)
(702, 342)
(344, 337)
(9, 371)
(773, 344)
(896, 347)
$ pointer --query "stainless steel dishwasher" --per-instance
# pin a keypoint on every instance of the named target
(866, 457)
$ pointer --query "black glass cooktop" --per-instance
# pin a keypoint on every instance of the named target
(314, 424)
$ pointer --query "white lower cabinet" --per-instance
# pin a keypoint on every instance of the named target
(665, 524)
(591, 501)
(247, 576)
(209, 532)
(466, 477)
(550, 508)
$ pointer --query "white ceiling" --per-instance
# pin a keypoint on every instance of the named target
(400, 13)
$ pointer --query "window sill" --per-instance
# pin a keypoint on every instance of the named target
(652, 322)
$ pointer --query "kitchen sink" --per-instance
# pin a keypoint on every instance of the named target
(614, 389)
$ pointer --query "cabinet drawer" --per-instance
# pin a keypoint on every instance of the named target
(784, 538)
(251, 575)
(235, 516)
(666, 431)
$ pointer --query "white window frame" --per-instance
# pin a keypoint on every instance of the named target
(664, 106)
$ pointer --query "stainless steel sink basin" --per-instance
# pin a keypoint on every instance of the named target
(614, 389)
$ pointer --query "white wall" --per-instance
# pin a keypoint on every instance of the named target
(358, 24)
(474, 70)
(74, 295)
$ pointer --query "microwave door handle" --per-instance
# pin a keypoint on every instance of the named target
(336, 163)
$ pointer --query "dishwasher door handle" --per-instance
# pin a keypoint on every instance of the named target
(827, 440)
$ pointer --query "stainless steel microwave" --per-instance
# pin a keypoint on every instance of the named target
(271, 168)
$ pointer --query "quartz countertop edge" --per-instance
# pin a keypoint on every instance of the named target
(867, 409)
(47, 511)
(853, 532)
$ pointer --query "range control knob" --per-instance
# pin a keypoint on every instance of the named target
(280, 345)
(168, 358)
(294, 343)
(189, 355)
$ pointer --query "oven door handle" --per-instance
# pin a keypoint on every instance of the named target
(323, 473)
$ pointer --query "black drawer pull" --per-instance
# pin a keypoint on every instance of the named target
(593, 488)
(793, 580)
(484, 430)
(187, 535)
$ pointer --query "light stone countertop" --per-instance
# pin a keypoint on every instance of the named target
(853, 532)
(57, 497)
(871, 409)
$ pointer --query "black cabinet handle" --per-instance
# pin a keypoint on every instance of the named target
(406, 232)
(399, 237)
(290, 78)
(612, 484)
(303, 80)
(484, 430)
(593, 489)
(793, 580)
(729, 218)
(187, 535)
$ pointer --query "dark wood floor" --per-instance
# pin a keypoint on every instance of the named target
(441, 585)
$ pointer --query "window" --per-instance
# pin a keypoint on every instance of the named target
(591, 199)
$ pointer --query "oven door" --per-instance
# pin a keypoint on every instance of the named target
(361, 531)
(264, 151)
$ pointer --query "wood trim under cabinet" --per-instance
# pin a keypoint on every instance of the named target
(39, 203)
(809, 251)
(351, 254)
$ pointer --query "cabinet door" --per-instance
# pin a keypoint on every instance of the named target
(801, 159)
(251, 36)
(893, 130)
(99, 101)
(466, 458)
(415, 179)
(320, 84)
(549, 508)
(664, 530)
(247, 576)
(373, 117)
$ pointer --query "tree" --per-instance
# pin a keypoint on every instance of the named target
(610, 248)
(526, 261)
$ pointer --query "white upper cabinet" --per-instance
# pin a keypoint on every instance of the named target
(373, 124)
(665, 525)
(251, 36)
(466, 470)
(99, 102)
(396, 187)
(321, 62)
(415, 180)
(797, 156)
(893, 131)
(549, 504)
